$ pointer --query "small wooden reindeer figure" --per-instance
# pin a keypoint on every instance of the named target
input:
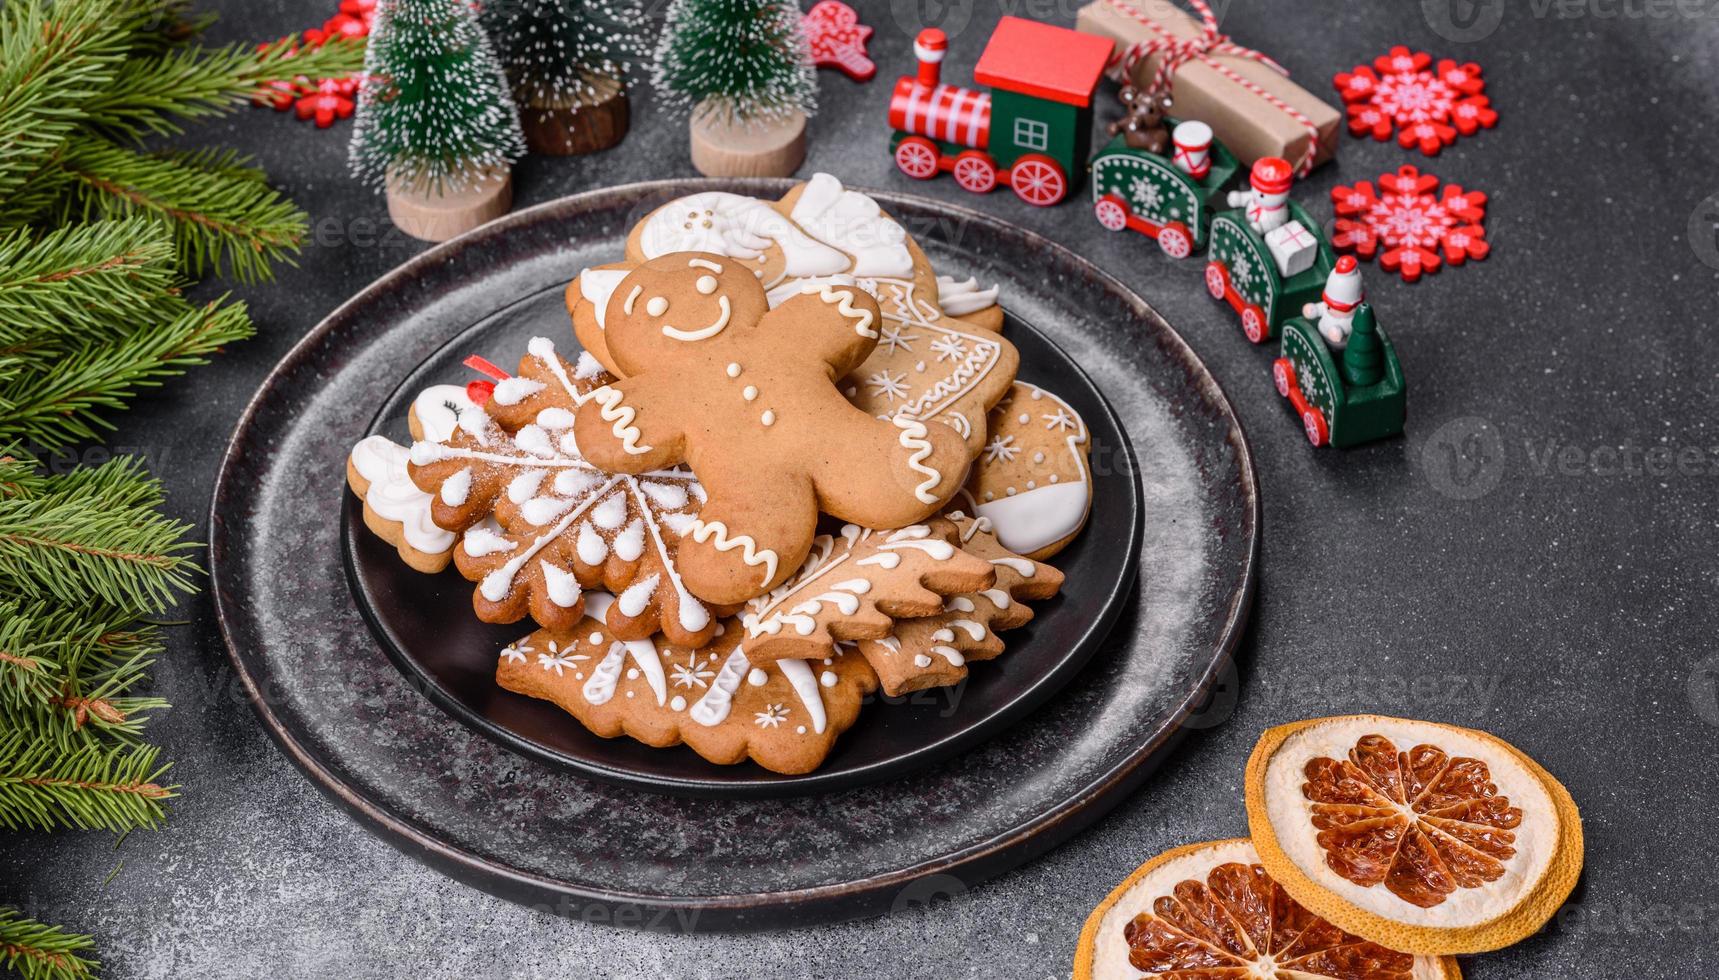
(1145, 126)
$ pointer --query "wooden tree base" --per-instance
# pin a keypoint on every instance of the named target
(583, 127)
(772, 149)
(436, 217)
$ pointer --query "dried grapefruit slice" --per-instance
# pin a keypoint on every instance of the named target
(1211, 912)
(1420, 836)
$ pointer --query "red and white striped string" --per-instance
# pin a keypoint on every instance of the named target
(1176, 51)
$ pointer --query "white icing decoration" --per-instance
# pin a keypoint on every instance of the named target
(512, 391)
(806, 686)
(702, 531)
(442, 410)
(656, 306)
(913, 439)
(626, 305)
(556, 418)
(678, 703)
(757, 678)
(950, 654)
(571, 483)
(601, 687)
(563, 588)
(596, 286)
(587, 367)
(497, 584)
(1024, 568)
(609, 514)
(828, 678)
(853, 222)
(724, 312)
(843, 301)
(961, 297)
(457, 488)
(484, 540)
(630, 543)
(591, 547)
(738, 227)
(668, 496)
(998, 597)
(959, 604)
(769, 417)
(609, 401)
(524, 486)
(921, 660)
(974, 630)
(633, 601)
(394, 497)
(705, 285)
(711, 709)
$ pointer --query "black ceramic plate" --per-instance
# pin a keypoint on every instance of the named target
(427, 626)
(537, 833)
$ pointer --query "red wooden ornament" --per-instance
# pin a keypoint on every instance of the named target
(1427, 107)
(331, 101)
(838, 39)
(1414, 226)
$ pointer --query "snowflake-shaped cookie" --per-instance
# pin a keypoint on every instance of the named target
(1426, 107)
(1415, 225)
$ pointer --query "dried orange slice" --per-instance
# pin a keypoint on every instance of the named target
(1424, 837)
(1211, 912)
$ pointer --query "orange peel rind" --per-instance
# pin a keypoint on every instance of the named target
(1418, 836)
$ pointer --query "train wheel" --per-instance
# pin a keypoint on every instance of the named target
(1280, 375)
(1314, 423)
(1217, 279)
(1038, 180)
(1253, 323)
(975, 172)
(1111, 212)
(1175, 240)
(917, 157)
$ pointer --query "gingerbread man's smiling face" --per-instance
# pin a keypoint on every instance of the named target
(686, 298)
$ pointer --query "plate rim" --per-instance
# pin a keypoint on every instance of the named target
(1026, 839)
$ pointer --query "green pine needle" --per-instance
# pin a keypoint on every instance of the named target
(104, 539)
(38, 951)
(82, 282)
(93, 787)
(53, 58)
(63, 403)
(223, 223)
(736, 60)
(153, 94)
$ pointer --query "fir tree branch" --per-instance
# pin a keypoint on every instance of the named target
(53, 58)
(150, 95)
(57, 406)
(68, 672)
(93, 787)
(82, 282)
(221, 222)
(38, 951)
(105, 539)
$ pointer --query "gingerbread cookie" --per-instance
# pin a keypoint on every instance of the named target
(855, 585)
(396, 509)
(1033, 481)
(928, 365)
(934, 651)
(784, 716)
(560, 525)
(714, 378)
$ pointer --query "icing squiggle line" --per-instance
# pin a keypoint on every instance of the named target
(913, 439)
(609, 401)
(702, 531)
(703, 333)
(844, 303)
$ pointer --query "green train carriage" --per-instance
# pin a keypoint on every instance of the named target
(1242, 272)
(1146, 192)
(1343, 398)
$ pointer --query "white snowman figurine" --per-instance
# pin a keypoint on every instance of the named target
(1267, 202)
(1335, 311)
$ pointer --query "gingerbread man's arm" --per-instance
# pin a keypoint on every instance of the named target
(625, 427)
(833, 321)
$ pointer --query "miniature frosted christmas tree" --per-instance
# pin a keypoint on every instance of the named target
(567, 62)
(743, 69)
(435, 125)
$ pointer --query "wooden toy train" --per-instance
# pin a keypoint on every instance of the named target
(1031, 132)
(1171, 181)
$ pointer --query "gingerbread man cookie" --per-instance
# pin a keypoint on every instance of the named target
(929, 364)
(712, 377)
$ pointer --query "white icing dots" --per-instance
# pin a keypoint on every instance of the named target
(827, 678)
(678, 703)
(734, 370)
(756, 677)
(656, 306)
(706, 284)
(749, 392)
(769, 417)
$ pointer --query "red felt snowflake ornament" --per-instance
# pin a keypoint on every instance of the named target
(1427, 106)
(324, 99)
(1410, 223)
(332, 100)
